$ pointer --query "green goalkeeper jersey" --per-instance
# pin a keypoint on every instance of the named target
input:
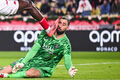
(47, 52)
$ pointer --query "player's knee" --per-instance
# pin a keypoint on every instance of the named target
(25, 4)
(29, 3)
(7, 69)
(33, 73)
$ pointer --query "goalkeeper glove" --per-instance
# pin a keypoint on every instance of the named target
(17, 67)
(72, 71)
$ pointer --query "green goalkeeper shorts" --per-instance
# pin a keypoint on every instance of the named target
(45, 71)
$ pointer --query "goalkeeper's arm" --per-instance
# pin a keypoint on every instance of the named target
(68, 63)
(31, 53)
(28, 57)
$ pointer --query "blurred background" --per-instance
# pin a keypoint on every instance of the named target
(94, 25)
(94, 33)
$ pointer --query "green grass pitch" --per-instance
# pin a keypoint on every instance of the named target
(90, 65)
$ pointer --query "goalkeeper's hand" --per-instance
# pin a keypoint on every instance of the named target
(17, 67)
(72, 71)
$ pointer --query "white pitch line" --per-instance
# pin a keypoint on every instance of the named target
(95, 63)
(92, 63)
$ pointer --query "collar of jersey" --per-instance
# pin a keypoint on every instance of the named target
(60, 38)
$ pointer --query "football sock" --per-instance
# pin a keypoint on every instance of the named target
(21, 74)
(45, 25)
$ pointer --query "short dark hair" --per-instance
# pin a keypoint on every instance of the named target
(65, 17)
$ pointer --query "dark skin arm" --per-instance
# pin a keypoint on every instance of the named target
(29, 6)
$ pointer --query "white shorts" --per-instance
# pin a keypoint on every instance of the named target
(9, 7)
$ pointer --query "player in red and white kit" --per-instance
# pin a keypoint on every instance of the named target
(10, 7)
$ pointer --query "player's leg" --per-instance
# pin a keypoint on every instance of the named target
(33, 73)
(7, 70)
(29, 6)
(29, 73)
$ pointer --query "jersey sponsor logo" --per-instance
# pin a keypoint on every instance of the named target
(48, 48)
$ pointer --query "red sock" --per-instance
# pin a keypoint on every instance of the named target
(44, 23)
(1, 76)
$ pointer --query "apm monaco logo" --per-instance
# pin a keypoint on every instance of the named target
(25, 38)
(103, 38)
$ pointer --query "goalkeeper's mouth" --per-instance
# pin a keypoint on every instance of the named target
(59, 28)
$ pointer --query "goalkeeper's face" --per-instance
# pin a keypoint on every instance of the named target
(62, 26)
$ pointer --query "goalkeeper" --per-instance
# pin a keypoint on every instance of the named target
(43, 57)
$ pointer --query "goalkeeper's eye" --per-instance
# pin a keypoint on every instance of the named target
(64, 24)
(60, 22)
